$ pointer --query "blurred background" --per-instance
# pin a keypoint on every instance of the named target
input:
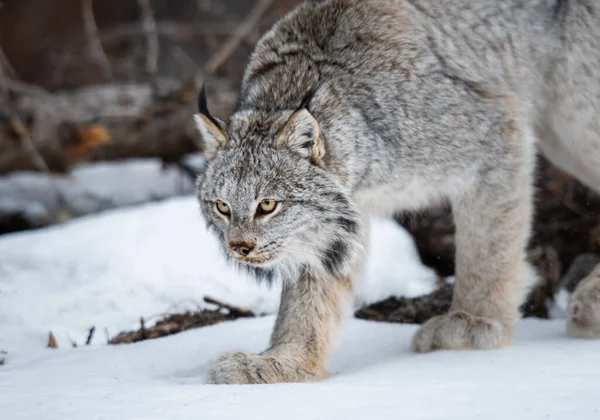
(87, 86)
(96, 99)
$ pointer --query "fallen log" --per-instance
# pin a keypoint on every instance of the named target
(51, 132)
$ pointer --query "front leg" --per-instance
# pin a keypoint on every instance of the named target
(584, 308)
(493, 223)
(310, 313)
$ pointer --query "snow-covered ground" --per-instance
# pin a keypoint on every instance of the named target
(110, 269)
(543, 375)
(91, 188)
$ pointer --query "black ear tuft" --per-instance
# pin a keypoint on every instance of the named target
(307, 99)
(203, 106)
(202, 102)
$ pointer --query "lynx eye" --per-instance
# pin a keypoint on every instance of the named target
(267, 206)
(223, 208)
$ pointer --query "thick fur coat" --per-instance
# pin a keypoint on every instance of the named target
(355, 107)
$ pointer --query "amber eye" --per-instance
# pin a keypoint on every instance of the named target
(267, 206)
(223, 208)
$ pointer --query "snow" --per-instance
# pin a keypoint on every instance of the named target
(393, 266)
(559, 308)
(109, 270)
(91, 188)
(543, 375)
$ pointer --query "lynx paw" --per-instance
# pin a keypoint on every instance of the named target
(245, 368)
(459, 330)
(584, 309)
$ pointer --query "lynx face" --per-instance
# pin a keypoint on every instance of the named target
(272, 206)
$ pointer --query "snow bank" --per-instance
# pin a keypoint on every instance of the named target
(91, 188)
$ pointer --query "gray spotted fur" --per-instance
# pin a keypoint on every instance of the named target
(415, 102)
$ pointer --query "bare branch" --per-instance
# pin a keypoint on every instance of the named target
(151, 33)
(5, 64)
(94, 44)
(90, 336)
(8, 82)
(175, 30)
(19, 129)
(232, 44)
(3, 80)
(234, 310)
(6, 71)
(183, 59)
(22, 88)
(36, 157)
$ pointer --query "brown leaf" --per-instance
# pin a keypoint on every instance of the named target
(88, 137)
(93, 135)
(187, 95)
(52, 341)
(16, 128)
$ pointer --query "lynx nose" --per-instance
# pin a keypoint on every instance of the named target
(242, 248)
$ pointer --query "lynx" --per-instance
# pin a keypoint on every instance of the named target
(356, 107)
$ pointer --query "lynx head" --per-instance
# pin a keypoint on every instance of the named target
(268, 197)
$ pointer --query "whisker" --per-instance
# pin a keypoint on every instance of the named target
(308, 251)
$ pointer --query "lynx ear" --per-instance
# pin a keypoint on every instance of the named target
(210, 128)
(302, 135)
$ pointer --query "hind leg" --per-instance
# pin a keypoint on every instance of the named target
(492, 227)
(569, 129)
(570, 138)
(584, 308)
(573, 144)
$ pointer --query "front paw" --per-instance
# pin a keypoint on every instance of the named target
(460, 330)
(246, 368)
(584, 308)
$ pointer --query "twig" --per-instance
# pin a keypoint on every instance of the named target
(240, 312)
(221, 56)
(19, 129)
(36, 157)
(52, 341)
(183, 58)
(23, 88)
(5, 64)
(90, 336)
(91, 31)
(189, 170)
(175, 30)
(3, 80)
(150, 31)
(8, 82)
(143, 331)
(6, 70)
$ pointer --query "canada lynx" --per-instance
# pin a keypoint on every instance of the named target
(354, 107)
